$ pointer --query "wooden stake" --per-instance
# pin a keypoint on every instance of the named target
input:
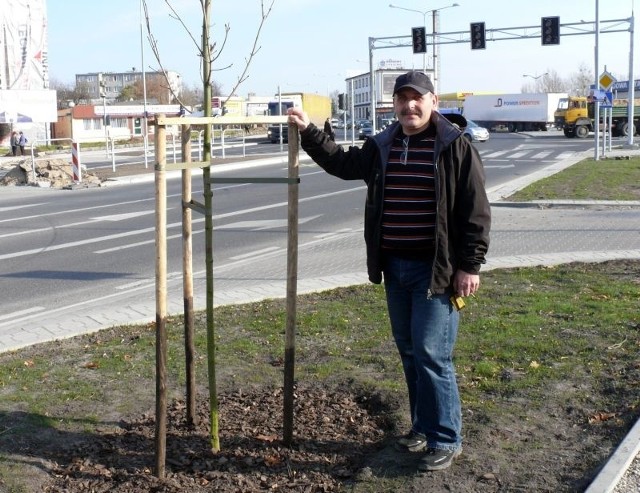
(292, 284)
(187, 279)
(161, 300)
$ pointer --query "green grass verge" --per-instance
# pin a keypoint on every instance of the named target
(606, 179)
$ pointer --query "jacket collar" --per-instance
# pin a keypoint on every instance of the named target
(446, 131)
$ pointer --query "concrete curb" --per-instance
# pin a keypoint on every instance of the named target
(615, 468)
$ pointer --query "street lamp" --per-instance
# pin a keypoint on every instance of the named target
(145, 130)
(535, 77)
(434, 13)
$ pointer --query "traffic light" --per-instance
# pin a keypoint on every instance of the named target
(103, 86)
(551, 30)
(419, 40)
(341, 101)
(478, 37)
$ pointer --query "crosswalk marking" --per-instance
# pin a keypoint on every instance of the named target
(528, 154)
(519, 154)
(541, 155)
(494, 154)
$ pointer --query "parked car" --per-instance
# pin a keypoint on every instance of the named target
(365, 131)
(385, 122)
(361, 123)
(475, 133)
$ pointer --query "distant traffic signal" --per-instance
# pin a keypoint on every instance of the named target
(419, 40)
(478, 36)
(551, 30)
(341, 101)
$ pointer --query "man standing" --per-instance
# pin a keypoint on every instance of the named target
(328, 129)
(22, 141)
(427, 222)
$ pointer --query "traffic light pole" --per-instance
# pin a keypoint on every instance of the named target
(495, 34)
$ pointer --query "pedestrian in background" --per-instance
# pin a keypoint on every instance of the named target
(328, 129)
(22, 141)
(426, 228)
(15, 143)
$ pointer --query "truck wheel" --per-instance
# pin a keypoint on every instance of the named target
(582, 132)
(625, 129)
(569, 133)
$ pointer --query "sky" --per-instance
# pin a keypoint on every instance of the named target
(313, 45)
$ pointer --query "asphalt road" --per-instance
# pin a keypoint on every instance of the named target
(90, 247)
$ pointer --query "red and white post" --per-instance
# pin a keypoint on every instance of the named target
(75, 162)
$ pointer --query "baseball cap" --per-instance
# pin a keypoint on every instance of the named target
(419, 81)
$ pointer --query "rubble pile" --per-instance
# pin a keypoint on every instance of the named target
(49, 173)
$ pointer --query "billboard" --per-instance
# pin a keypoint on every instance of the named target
(23, 45)
(28, 106)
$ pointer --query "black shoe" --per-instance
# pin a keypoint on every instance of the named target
(436, 459)
(411, 442)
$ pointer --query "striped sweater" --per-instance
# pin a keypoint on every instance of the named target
(409, 215)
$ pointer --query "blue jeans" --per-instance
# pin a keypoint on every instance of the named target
(425, 328)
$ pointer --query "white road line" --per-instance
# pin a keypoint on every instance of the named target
(255, 253)
(216, 217)
(112, 218)
(14, 207)
(22, 313)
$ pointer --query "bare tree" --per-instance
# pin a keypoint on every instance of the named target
(579, 83)
(208, 51)
(550, 81)
(67, 93)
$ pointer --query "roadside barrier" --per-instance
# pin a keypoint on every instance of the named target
(75, 162)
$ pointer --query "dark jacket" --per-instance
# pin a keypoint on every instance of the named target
(463, 211)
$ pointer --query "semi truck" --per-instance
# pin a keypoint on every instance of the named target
(514, 112)
(576, 117)
(316, 106)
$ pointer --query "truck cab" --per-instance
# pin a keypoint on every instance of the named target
(572, 116)
(273, 131)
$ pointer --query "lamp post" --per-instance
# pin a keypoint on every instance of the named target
(145, 129)
(436, 59)
(535, 77)
(537, 84)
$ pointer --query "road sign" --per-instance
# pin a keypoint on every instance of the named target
(606, 80)
(604, 98)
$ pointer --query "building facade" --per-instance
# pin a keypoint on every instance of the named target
(26, 102)
(114, 82)
(358, 90)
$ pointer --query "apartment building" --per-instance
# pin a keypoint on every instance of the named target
(115, 82)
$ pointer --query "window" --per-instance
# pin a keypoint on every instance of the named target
(92, 123)
(119, 122)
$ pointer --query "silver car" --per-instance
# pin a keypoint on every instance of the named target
(475, 133)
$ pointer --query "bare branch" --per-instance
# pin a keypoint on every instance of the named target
(227, 28)
(255, 47)
(177, 17)
(213, 51)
